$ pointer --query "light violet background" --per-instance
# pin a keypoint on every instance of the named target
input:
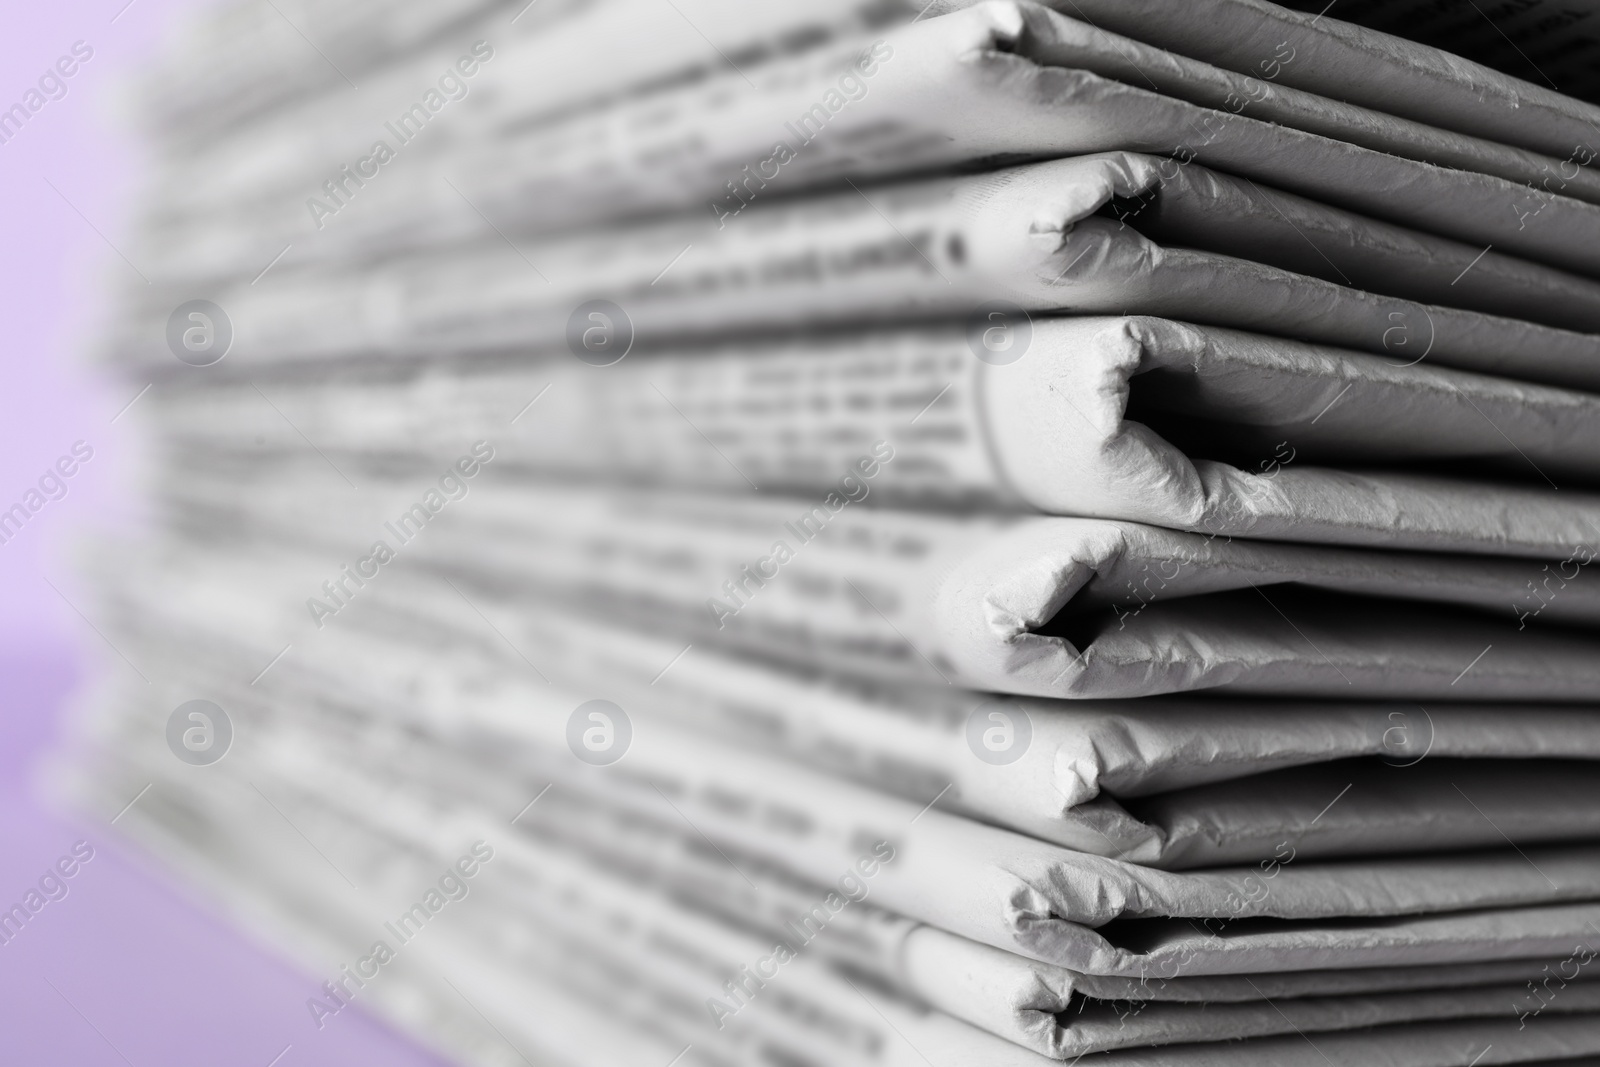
(129, 969)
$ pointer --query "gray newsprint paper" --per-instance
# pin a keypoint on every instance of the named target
(570, 888)
(1000, 81)
(1039, 606)
(1033, 236)
(1086, 913)
(1045, 903)
(964, 371)
(285, 164)
(606, 978)
(1317, 52)
(1161, 782)
(1198, 428)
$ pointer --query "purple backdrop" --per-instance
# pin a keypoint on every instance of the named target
(127, 969)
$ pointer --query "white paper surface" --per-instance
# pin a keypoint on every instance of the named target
(1362, 830)
(1037, 899)
(1210, 430)
(536, 982)
(994, 990)
(1038, 606)
(1028, 235)
(1141, 781)
(1066, 89)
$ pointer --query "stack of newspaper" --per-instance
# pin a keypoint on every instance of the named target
(702, 532)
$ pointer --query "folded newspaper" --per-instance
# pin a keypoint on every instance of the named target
(946, 248)
(927, 96)
(972, 982)
(1085, 913)
(1055, 1012)
(872, 534)
(641, 940)
(1188, 427)
(1059, 607)
(1166, 783)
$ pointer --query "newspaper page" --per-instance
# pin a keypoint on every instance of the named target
(923, 97)
(948, 971)
(939, 249)
(1198, 428)
(1147, 782)
(1038, 606)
